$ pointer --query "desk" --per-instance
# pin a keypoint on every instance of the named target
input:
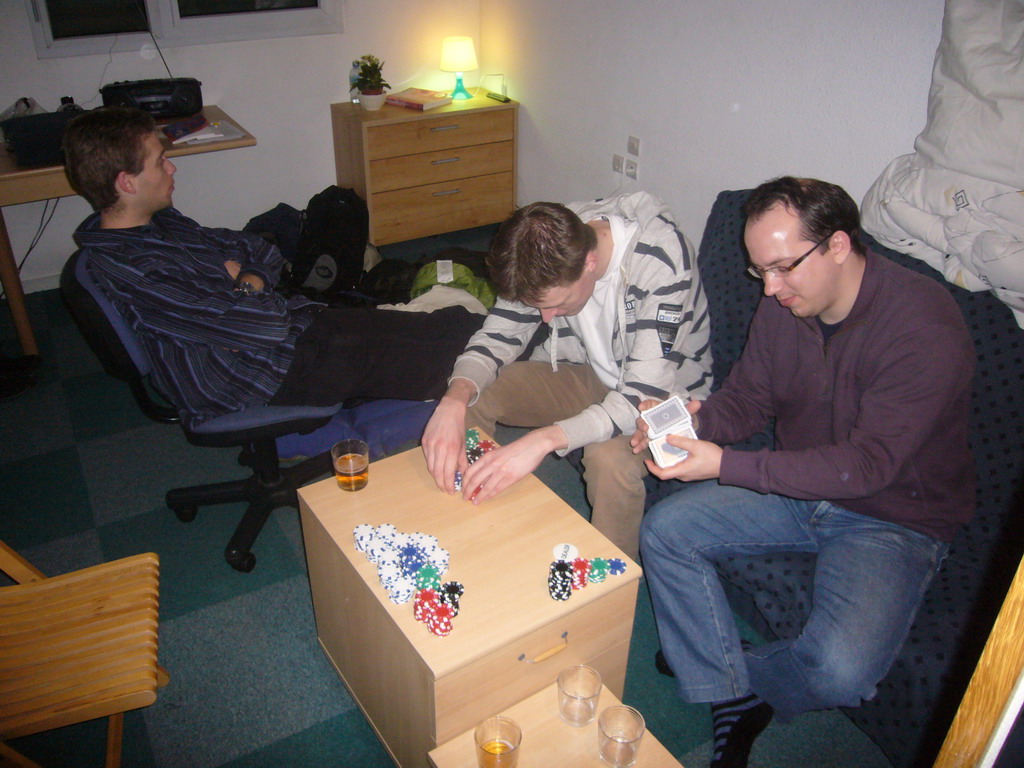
(27, 185)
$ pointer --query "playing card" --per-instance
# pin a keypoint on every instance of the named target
(668, 418)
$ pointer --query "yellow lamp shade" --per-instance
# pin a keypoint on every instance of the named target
(458, 54)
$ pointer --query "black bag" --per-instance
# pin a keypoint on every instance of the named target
(332, 240)
(280, 226)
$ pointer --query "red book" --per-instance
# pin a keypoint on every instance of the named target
(419, 98)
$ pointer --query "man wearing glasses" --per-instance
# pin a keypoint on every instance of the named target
(866, 369)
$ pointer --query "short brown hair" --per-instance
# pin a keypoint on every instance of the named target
(822, 207)
(541, 246)
(100, 144)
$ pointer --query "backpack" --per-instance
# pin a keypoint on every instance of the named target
(333, 234)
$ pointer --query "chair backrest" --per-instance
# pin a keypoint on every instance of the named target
(109, 336)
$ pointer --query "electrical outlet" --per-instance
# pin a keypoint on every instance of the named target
(617, 161)
(631, 168)
(633, 146)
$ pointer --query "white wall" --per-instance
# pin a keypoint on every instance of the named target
(278, 89)
(723, 94)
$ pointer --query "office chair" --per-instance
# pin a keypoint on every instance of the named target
(77, 647)
(254, 429)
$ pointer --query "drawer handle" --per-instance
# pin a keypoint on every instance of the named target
(446, 160)
(554, 651)
(446, 192)
(436, 128)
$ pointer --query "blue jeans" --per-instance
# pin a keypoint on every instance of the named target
(868, 583)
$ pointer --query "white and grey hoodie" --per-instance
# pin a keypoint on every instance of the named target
(659, 269)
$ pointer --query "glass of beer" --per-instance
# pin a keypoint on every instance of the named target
(351, 459)
(619, 732)
(497, 742)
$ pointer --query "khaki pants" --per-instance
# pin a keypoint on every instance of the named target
(530, 394)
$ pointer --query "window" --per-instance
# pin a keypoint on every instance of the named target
(79, 27)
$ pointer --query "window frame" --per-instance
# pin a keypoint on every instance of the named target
(171, 30)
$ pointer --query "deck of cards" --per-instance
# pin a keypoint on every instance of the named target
(668, 418)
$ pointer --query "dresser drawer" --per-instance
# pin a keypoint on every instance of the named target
(443, 165)
(491, 683)
(443, 132)
(431, 209)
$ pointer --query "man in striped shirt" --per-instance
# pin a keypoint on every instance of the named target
(617, 284)
(203, 303)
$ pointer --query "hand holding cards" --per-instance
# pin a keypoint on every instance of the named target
(668, 418)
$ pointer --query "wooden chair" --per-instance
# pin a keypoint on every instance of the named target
(76, 647)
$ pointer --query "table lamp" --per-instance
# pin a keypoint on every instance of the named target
(458, 56)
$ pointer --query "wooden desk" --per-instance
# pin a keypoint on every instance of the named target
(27, 185)
(510, 638)
(547, 741)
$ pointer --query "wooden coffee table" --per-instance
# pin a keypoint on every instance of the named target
(510, 638)
(547, 741)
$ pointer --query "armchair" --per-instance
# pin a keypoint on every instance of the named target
(77, 647)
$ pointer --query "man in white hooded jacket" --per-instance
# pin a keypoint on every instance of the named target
(617, 284)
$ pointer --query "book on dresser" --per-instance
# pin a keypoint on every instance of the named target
(419, 98)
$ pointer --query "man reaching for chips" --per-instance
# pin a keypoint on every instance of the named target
(866, 369)
(617, 284)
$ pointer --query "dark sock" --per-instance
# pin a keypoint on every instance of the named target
(737, 723)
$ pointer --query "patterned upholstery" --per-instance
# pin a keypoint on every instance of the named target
(915, 703)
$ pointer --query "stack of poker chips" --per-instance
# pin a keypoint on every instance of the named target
(411, 565)
(564, 576)
(475, 449)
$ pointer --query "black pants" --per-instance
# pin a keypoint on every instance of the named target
(376, 353)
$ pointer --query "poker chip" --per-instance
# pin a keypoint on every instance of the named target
(440, 621)
(566, 575)
(458, 480)
(410, 566)
(449, 595)
(425, 604)
(439, 558)
(560, 580)
(362, 535)
(402, 590)
(599, 569)
(427, 577)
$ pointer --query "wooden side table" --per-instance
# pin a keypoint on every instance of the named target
(425, 173)
(510, 638)
(547, 741)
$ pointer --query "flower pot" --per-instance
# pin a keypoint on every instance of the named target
(372, 101)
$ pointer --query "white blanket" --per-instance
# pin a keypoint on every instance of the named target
(956, 203)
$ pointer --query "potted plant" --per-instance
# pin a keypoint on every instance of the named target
(371, 82)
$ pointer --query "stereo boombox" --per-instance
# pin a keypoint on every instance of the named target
(166, 97)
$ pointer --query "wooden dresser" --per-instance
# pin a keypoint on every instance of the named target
(424, 173)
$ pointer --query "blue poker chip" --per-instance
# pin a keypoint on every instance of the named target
(616, 566)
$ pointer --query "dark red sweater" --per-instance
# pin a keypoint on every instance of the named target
(875, 421)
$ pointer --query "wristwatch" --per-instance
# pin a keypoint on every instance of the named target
(245, 287)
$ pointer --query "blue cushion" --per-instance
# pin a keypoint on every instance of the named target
(386, 426)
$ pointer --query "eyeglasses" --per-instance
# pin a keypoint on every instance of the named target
(764, 274)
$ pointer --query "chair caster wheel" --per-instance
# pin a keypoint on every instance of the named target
(239, 561)
(187, 513)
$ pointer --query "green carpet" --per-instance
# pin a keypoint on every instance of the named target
(83, 475)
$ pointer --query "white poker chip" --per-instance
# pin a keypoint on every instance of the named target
(439, 558)
(389, 574)
(402, 590)
(362, 535)
(377, 547)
